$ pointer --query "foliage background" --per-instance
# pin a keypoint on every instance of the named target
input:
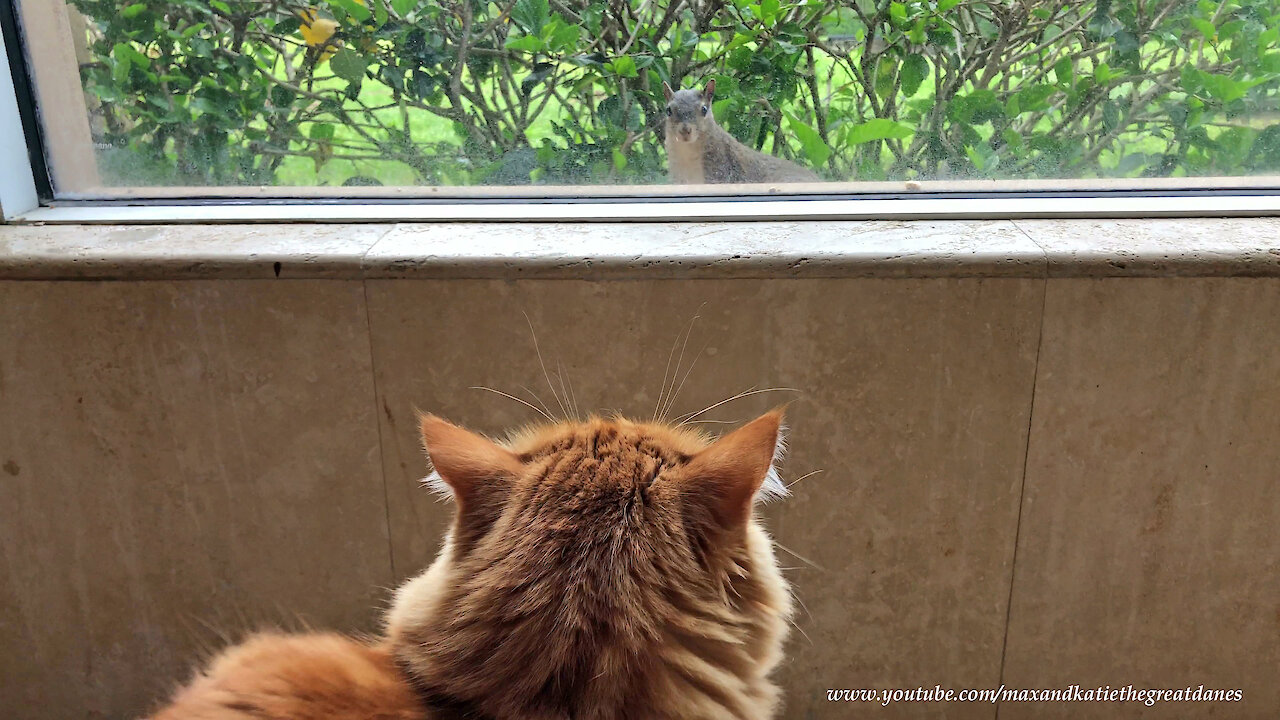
(404, 92)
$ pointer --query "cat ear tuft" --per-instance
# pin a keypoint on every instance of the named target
(709, 92)
(667, 92)
(732, 471)
(463, 462)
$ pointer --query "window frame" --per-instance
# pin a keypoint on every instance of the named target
(28, 192)
(24, 176)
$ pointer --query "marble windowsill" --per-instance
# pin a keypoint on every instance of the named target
(977, 248)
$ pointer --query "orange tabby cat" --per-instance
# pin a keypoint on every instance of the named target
(605, 569)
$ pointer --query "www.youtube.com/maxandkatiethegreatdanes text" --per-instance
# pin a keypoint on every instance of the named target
(1069, 694)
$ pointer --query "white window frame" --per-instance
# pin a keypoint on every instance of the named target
(21, 201)
(18, 194)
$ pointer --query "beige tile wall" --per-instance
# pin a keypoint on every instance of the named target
(183, 459)
(1150, 544)
(178, 461)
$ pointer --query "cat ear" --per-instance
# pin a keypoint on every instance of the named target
(730, 473)
(464, 462)
(709, 91)
(667, 91)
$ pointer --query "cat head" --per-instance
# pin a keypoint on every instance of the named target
(599, 568)
(689, 112)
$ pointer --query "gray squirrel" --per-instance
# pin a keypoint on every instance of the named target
(700, 151)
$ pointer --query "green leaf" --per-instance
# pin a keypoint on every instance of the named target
(610, 111)
(977, 107)
(1206, 28)
(769, 10)
(945, 5)
(884, 78)
(1268, 37)
(282, 98)
(1266, 150)
(130, 12)
(404, 7)
(1035, 97)
(1064, 72)
(1110, 116)
(526, 43)
(348, 65)
(561, 36)
(876, 129)
(917, 32)
(897, 13)
(128, 55)
(622, 66)
(982, 158)
(285, 26)
(354, 9)
(1221, 87)
(120, 71)
(814, 148)
(531, 15)
(914, 70)
(422, 84)
(321, 131)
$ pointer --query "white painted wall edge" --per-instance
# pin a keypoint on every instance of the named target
(17, 181)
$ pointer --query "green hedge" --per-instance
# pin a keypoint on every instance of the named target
(556, 91)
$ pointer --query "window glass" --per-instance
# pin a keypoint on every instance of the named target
(349, 93)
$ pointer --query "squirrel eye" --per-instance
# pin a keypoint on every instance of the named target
(668, 112)
(704, 109)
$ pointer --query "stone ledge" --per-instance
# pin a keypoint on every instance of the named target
(1198, 247)
(1245, 247)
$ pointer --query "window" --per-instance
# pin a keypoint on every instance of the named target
(533, 99)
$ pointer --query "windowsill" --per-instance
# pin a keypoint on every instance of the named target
(717, 249)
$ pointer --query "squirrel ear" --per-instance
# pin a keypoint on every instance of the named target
(667, 92)
(710, 91)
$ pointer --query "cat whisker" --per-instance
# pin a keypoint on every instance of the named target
(543, 365)
(671, 392)
(534, 395)
(204, 646)
(219, 632)
(567, 390)
(388, 596)
(801, 604)
(573, 397)
(797, 480)
(800, 630)
(713, 422)
(672, 399)
(662, 391)
(687, 417)
(522, 401)
(798, 556)
(297, 623)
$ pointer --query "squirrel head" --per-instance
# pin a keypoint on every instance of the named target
(689, 112)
